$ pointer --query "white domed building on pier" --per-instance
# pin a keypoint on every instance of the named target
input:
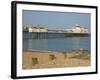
(77, 29)
(37, 28)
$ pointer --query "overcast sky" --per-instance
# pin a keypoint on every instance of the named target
(55, 20)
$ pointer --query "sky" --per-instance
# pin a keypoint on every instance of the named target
(55, 20)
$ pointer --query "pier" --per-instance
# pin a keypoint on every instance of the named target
(43, 35)
(39, 32)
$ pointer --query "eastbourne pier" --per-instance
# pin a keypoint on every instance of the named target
(39, 32)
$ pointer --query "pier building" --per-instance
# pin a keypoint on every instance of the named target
(77, 29)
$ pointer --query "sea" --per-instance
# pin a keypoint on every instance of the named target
(56, 44)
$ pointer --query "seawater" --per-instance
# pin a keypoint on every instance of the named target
(56, 44)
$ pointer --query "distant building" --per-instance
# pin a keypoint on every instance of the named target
(77, 29)
(38, 28)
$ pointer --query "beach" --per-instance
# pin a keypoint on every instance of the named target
(35, 59)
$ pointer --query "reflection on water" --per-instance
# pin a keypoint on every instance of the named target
(76, 42)
(57, 44)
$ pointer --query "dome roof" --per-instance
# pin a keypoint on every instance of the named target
(77, 25)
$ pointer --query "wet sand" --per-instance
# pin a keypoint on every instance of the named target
(48, 59)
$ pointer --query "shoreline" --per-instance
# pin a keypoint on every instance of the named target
(37, 59)
(69, 51)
